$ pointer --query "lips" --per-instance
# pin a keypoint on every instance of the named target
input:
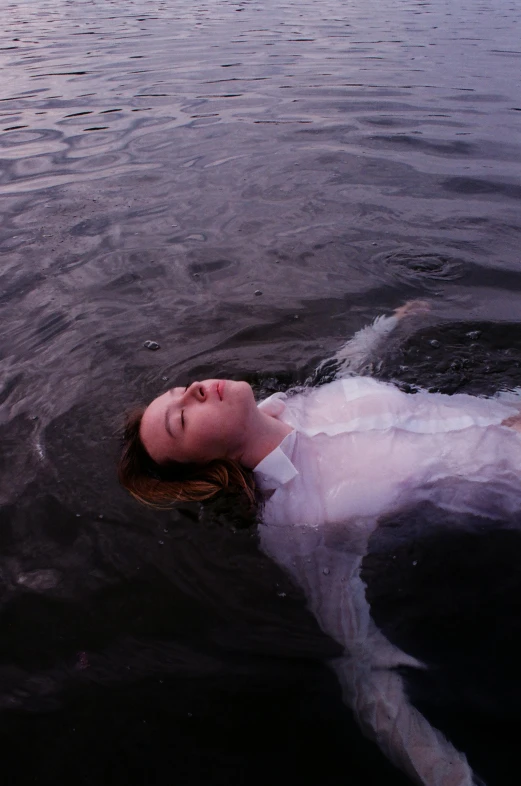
(220, 388)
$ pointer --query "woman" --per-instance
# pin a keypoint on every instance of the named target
(327, 464)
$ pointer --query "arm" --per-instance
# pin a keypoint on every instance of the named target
(357, 352)
(380, 704)
(326, 562)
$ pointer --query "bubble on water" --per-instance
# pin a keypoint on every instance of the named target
(153, 345)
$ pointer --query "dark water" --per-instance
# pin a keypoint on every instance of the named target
(246, 183)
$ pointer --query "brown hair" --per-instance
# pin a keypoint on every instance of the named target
(162, 485)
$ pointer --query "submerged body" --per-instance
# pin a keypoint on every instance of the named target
(334, 463)
(359, 451)
(359, 448)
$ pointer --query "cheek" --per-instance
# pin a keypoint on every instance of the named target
(210, 434)
(222, 430)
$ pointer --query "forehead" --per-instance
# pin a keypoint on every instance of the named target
(158, 406)
(152, 432)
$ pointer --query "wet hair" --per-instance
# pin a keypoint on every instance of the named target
(162, 485)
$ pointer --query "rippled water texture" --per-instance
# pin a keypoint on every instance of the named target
(245, 183)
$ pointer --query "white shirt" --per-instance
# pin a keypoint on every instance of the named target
(359, 450)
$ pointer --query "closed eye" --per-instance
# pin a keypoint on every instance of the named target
(183, 412)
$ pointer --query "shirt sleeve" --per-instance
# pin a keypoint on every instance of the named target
(356, 353)
(403, 734)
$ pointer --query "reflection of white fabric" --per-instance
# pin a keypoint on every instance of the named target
(361, 449)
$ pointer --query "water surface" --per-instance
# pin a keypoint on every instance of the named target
(245, 183)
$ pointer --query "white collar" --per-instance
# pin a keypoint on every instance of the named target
(273, 405)
(276, 469)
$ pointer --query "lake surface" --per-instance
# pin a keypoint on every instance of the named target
(247, 184)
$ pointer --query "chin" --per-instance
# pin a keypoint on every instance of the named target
(242, 389)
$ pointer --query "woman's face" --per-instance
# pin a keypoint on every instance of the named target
(204, 421)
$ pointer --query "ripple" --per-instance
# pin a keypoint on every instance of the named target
(420, 268)
(476, 186)
(32, 166)
(164, 226)
(91, 227)
(52, 326)
(428, 146)
(80, 114)
(24, 282)
(31, 137)
(218, 268)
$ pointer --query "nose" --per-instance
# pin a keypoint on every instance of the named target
(197, 390)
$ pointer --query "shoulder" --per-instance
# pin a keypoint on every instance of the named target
(345, 390)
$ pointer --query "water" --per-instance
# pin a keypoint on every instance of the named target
(245, 183)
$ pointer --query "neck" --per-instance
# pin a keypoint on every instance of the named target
(267, 434)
